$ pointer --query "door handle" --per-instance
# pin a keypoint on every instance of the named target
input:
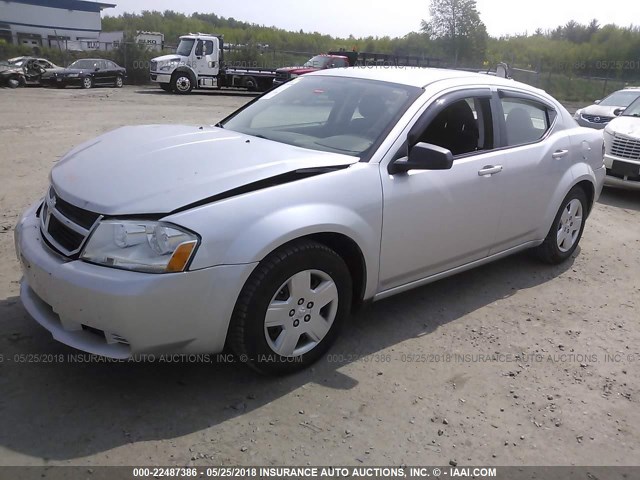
(490, 170)
(559, 154)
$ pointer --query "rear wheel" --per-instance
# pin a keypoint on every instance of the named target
(291, 308)
(566, 231)
(87, 82)
(250, 83)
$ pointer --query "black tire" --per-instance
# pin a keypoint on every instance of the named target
(87, 83)
(250, 84)
(166, 87)
(14, 82)
(182, 83)
(550, 251)
(119, 82)
(247, 332)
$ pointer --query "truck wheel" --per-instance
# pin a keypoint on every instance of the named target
(291, 308)
(250, 83)
(166, 87)
(182, 83)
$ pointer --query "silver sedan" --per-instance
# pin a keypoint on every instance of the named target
(265, 231)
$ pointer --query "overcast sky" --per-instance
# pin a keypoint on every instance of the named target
(394, 17)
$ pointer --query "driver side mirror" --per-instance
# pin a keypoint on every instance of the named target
(597, 102)
(423, 156)
(619, 111)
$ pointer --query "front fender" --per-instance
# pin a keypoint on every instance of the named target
(246, 228)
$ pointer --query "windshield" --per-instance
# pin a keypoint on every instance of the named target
(317, 62)
(620, 99)
(84, 64)
(332, 114)
(633, 110)
(185, 47)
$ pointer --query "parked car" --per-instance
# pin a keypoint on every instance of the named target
(87, 73)
(622, 148)
(602, 112)
(262, 233)
(23, 71)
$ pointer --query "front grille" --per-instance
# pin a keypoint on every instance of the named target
(64, 226)
(626, 148)
(597, 119)
(66, 237)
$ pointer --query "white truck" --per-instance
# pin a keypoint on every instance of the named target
(199, 63)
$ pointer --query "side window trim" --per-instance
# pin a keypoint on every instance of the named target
(438, 105)
(502, 125)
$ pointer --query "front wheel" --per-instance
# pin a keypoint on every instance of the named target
(291, 308)
(182, 83)
(566, 231)
(119, 82)
(87, 82)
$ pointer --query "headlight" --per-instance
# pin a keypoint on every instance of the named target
(142, 246)
(168, 67)
(73, 75)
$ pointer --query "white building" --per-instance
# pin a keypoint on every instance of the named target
(45, 22)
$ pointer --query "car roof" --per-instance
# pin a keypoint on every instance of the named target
(415, 76)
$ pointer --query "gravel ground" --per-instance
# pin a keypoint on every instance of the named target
(514, 363)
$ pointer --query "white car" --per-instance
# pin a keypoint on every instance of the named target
(622, 149)
(265, 231)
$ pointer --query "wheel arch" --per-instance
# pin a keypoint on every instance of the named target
(184, 69)
(565, 185)
(351, 254)
(590, 191)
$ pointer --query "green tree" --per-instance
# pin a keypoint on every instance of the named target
(457, 24)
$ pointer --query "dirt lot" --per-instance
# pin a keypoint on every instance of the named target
(514, 363)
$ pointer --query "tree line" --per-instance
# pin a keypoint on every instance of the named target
(454, 33)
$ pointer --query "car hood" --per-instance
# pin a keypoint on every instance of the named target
(66, 71)
(298, 70)
(8, 69)
(599, 110)
(157, 169)
(625, 126)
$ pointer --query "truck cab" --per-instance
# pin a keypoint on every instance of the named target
(196, 64)
(319, 62)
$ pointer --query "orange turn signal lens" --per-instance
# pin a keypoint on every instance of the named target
(181, 257)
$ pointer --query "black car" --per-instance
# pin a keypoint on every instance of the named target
(87, 73)
(23, 71)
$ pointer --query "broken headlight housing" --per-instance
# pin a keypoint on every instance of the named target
(141, 246)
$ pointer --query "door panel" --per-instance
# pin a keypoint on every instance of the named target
(530, 178)
(438, 220)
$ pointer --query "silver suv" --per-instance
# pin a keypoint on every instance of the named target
(264, 232)
(602, 112)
